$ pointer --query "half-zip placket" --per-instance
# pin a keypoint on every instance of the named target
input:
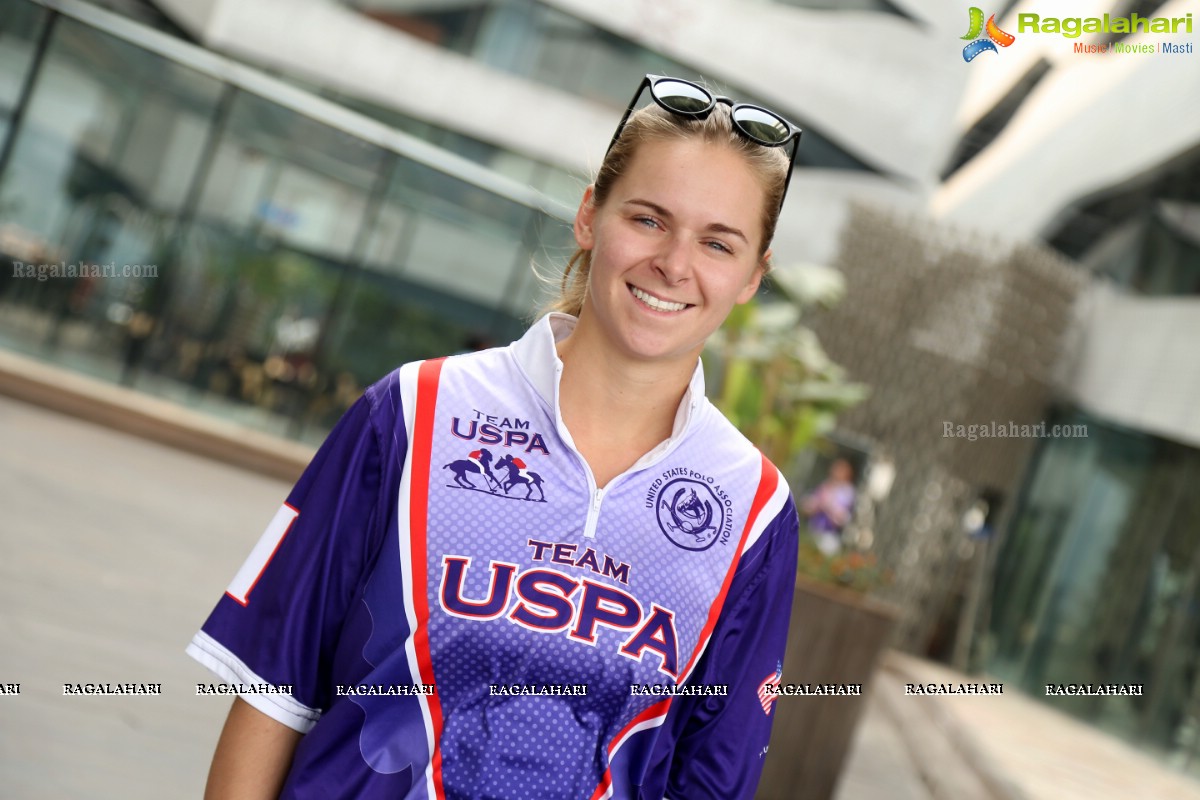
(596, 494)
(593, 515)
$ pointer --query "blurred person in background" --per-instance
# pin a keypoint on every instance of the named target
(830, 506)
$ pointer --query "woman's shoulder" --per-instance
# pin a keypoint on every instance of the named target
(725, 442)
(713, 425)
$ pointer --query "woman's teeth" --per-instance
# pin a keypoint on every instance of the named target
(655, 303)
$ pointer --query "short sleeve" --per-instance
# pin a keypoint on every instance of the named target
(279, 620)
(720, 742)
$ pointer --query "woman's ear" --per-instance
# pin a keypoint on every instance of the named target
(584, 218)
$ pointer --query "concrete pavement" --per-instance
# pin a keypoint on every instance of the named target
(1021, 748)
(879, 764)
(114, 551)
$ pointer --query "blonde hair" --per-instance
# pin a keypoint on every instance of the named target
(654, 124)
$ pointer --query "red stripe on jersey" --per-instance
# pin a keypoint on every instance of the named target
(659, 709)
(766, 487)
(427, 390)
(767, 484)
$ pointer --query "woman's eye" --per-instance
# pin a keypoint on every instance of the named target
(720, 247)
(648, 222)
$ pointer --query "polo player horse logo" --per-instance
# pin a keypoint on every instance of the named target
(519, 474)
(689, 514)
(477, 463)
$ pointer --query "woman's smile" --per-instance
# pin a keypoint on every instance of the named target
(655, 303)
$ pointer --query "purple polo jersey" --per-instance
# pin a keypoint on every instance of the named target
(449, 607)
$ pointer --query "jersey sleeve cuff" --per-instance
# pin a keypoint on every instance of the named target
(224, 664)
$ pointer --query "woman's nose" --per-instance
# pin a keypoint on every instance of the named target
(672, 260)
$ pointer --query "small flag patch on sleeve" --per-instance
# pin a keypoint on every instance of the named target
(767, 694)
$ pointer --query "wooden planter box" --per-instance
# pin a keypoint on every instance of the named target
(836, 637)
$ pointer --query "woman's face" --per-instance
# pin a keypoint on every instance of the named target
(674, 247)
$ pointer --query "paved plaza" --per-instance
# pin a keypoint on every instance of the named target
(115, 549)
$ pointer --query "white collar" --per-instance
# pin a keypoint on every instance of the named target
(537, 357)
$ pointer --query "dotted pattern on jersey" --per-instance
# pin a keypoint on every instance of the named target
(505, 746)
(681, 580)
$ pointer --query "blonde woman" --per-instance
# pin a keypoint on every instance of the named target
(552, 569)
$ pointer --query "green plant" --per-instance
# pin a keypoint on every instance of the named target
(773, 378)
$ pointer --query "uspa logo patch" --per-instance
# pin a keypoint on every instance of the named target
(689, 514)
(995, 36)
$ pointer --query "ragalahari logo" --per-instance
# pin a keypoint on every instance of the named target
(995, 36)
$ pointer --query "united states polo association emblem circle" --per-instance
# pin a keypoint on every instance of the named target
(689, 514)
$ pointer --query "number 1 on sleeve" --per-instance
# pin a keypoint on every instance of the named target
(260, 556)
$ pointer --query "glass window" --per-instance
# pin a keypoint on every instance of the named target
(555, 182)
(1145, 236)
(294, 262)
(388, 320)
(1170, 258)
(425, 210)
(106, 117)
(109, 142)
(280, 174)
(1098, 581)
(554, 48)
(447, 268)
(20, 28)
(1149, 244)
(279, 216)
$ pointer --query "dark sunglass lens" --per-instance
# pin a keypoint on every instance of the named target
(761, 125)
(682, 97)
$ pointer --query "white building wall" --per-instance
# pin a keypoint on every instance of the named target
(991, 77)
(340, 47)
(881, 86)
(1093, 122)
(194, 16)
(884, 87)
(1138, 363)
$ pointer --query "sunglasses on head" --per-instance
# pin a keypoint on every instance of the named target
(691, 100)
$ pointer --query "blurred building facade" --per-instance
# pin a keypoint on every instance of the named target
(303, 249)
(1097, 575)
(1083, 565)
(331, 188)
(268, 251)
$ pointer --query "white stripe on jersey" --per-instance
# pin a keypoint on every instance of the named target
(407, 377)
(282, 708)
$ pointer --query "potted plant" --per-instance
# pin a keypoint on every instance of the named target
(773, 379)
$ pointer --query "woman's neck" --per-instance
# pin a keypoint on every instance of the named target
(616, 408)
